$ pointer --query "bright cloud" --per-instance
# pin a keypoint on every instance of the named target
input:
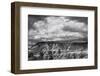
(56, 28)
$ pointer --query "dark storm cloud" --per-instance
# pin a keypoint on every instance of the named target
(80, 19)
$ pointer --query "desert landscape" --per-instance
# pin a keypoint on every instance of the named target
(57, 37)
(52, 50)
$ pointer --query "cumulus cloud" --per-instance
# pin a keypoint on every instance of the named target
(58, 28)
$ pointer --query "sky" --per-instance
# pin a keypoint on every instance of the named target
(53, 28)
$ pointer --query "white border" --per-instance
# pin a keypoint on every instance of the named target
(25, 64)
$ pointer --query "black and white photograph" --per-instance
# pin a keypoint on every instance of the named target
(53, 37)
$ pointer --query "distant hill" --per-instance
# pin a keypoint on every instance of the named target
(81, 40)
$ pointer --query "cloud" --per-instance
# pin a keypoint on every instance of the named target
(58, 28)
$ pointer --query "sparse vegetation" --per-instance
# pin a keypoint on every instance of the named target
(58, 50)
